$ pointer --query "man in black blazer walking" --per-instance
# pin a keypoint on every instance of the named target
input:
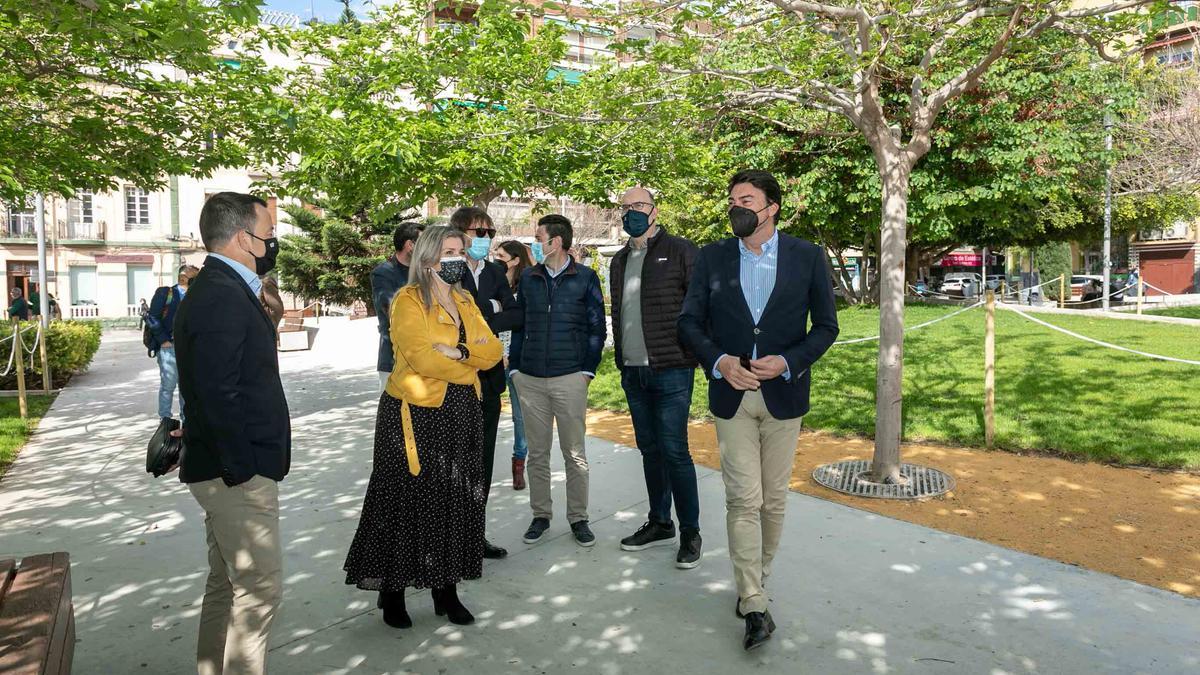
(746, 319)
(238, 434)
(488, 284)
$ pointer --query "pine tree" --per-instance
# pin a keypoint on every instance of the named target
(348, 17)
(331, 256)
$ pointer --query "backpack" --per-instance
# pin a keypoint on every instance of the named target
(148, 322)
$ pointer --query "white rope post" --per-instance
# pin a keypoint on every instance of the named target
(1141, 293)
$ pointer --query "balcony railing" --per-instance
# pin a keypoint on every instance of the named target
(85, 311)
(81, 231)
(18, 227)
(22, 227)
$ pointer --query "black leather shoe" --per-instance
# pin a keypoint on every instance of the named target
(759, 626)
(394, 613)
(447, 604)
(492, 551)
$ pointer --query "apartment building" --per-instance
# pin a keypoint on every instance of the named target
(106, 252)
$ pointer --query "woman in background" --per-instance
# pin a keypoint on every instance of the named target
(515, 257)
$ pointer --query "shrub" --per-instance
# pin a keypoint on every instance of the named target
(70, 347)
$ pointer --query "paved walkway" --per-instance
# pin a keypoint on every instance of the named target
(854, 592)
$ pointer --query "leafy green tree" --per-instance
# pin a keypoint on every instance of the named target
(93, 92)
(839, 59)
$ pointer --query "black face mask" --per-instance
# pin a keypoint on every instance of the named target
(266, 263)
(744, 220)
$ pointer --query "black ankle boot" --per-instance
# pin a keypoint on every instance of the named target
(394, 613)
(447, 604)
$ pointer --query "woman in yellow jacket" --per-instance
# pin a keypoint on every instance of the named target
(422, 520)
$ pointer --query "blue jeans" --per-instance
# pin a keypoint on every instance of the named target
(168, 382)
(659, 402)
(520, 447)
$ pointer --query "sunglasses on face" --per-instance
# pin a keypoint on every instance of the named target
(483, 231)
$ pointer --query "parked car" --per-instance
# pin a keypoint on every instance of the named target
(993, 281)
(1084, 288)
(1112, 286)
(955, 283)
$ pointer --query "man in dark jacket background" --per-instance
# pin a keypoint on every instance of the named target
(238, 435)
(488, 285)
(388, 277)
(161, 319)
(648, 280)
(553, 360)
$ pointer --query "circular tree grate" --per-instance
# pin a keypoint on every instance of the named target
(853, 477)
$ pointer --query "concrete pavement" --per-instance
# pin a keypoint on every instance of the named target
(854, 592)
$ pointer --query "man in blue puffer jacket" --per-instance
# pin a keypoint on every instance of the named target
(552, 361)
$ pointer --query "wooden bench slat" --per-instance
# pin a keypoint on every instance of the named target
(37, 627)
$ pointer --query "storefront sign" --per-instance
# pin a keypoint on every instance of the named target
(962, 260)
(134, 259)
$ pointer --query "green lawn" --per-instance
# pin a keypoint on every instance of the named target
(1053, 392)
(13, 431)
(1192, 312)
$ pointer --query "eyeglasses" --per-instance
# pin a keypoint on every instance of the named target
(483, 231)
(640, 206)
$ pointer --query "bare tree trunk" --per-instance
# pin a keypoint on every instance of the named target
(889, 376)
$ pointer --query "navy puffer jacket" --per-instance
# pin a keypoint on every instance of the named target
(564, 323)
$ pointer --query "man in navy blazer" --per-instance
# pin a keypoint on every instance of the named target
(238, 434)
(746, 319)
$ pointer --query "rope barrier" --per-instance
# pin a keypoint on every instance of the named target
(1005, 294)
(911, 328)
(23, 333)
(1101, 343)
(36, 339)
(12, 354)
(1147, 284)
(1097, 299)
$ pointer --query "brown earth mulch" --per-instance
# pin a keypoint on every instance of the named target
(1139, 524)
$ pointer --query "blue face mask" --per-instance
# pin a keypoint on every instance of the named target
(538, 255)
(635, 222)
(479, 248)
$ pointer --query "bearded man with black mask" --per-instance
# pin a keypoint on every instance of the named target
(747, 319)
(648, 280)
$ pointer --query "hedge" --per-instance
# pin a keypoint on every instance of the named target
(70, 347)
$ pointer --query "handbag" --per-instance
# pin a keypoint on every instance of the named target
(164, 450)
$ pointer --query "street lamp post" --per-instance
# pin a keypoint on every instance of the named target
(39, 220)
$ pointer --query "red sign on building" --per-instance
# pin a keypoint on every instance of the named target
(962, 260)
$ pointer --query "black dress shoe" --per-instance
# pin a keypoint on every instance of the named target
(493, 552)
(759, 626)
